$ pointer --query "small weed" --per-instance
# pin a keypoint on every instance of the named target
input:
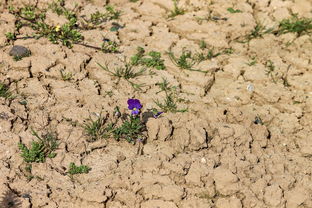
(67, 34)
(164, 86)
(295, 25)
(176, 10)
(270, 70)
(110, 14)
(39, 150)
(123, 126)
(228, 51)
(130, 129)
(252, 62)
(210, 55)
(4, 91)
(258, 32)
(202, 44)
(170, 102)
(108, 93)
(18, 58)
(73, 169)
(110, 46)
(66, 76)
(127, 72)
(58, 8)
(231, 10)
(151, 59)
(187, 60)
(30, 13)
(10, 36)
(98, 128)
(115, 27)
(285, 79)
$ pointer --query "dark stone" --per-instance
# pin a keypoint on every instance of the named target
(146, 116)
(19, 51)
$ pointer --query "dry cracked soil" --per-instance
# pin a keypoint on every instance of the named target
(244, 141)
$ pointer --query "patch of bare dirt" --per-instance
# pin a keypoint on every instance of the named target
(245, 140)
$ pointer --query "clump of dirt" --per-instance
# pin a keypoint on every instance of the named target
(235, 94)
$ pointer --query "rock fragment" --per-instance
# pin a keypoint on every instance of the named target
(19, 51)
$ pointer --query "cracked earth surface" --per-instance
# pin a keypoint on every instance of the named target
(215, 155)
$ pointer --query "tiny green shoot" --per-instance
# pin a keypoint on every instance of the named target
(176, 10)
(231, 10)
(4, 91)
(74, 169)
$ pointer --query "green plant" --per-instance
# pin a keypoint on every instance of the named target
(31, 13)
(39, 150)
(97, 128)
(231, 10)
(66, 76)
(130, 129)
(210, 55)
(66, 34)
(34, 18)
(295, 25)
(258, 31)
(170, 102)
(228, 51)
(164, 86)
(127, 72)
(270, 70)
(176, 10)
(151, 59)
(108, 93)
(252, 62)
(110, 14)
(17, 58)
(73, 169)
(10, 36)
(110, 46)
(202, 44)
(187, 60)
(58, 8)
(4, 91)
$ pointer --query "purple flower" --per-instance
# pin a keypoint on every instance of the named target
(135, 106)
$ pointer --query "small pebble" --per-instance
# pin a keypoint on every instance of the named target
(19, 51)
(250, 87)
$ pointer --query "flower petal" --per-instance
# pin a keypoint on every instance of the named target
(134, 103)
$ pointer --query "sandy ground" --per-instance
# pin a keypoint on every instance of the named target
(244, 142)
